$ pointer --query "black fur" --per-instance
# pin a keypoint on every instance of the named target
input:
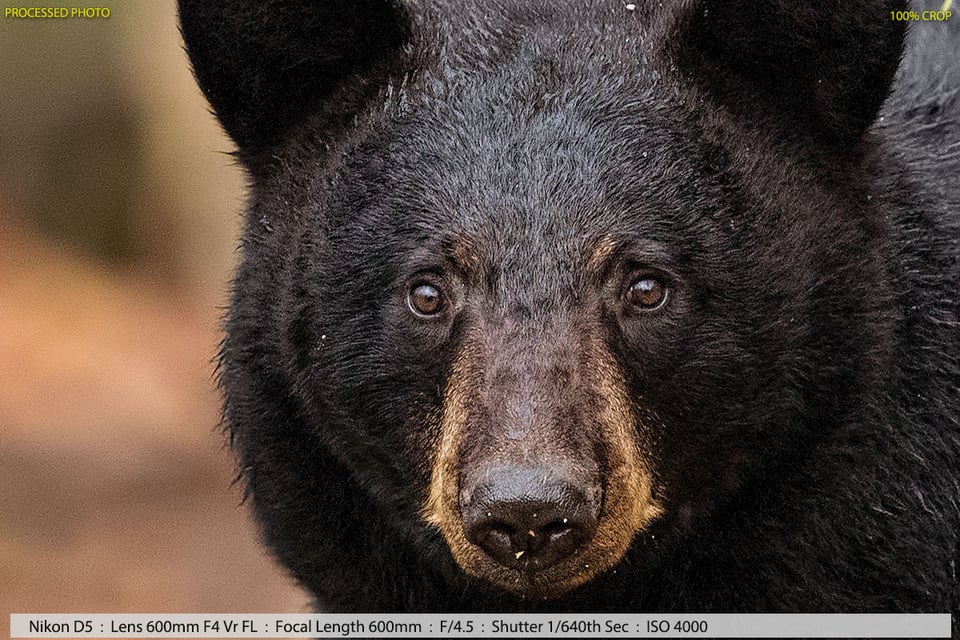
(804, 378)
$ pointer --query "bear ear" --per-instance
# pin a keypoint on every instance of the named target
(818, 66)
(265, 65)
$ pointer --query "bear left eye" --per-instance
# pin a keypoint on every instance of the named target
(425, 299)
(647, 293)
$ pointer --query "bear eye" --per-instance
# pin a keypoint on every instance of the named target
(647, 293)
(425, 299)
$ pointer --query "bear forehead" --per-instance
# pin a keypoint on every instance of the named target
(539, 64)
(512, 87)
(537, 198)
(489, 160)
(559, 138)
(487, 176)
(483, 31)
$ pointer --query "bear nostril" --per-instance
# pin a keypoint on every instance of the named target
(497, 539)
(529, 535)
(528, 527)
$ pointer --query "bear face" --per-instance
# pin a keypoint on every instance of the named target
(550, 360)
(532, 293)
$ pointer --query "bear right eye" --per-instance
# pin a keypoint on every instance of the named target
(647, 293)
(425, 299)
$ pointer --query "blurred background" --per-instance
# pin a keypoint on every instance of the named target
(119, 218)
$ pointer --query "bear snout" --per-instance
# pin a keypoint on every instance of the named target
(528, 517)
(539, 487)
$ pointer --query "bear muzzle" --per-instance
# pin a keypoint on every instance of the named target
(538, 481)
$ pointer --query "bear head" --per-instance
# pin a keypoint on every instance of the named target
(553, 281)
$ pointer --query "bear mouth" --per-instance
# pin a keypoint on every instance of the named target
(528, 581)
(528, 578)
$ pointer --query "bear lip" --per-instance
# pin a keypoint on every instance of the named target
(549, 583)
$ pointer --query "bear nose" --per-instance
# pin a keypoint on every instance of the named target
(528, 518)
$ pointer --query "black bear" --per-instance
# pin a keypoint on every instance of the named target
(595, 306)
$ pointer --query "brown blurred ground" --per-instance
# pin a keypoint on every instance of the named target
(114, 484)
(119, 211)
